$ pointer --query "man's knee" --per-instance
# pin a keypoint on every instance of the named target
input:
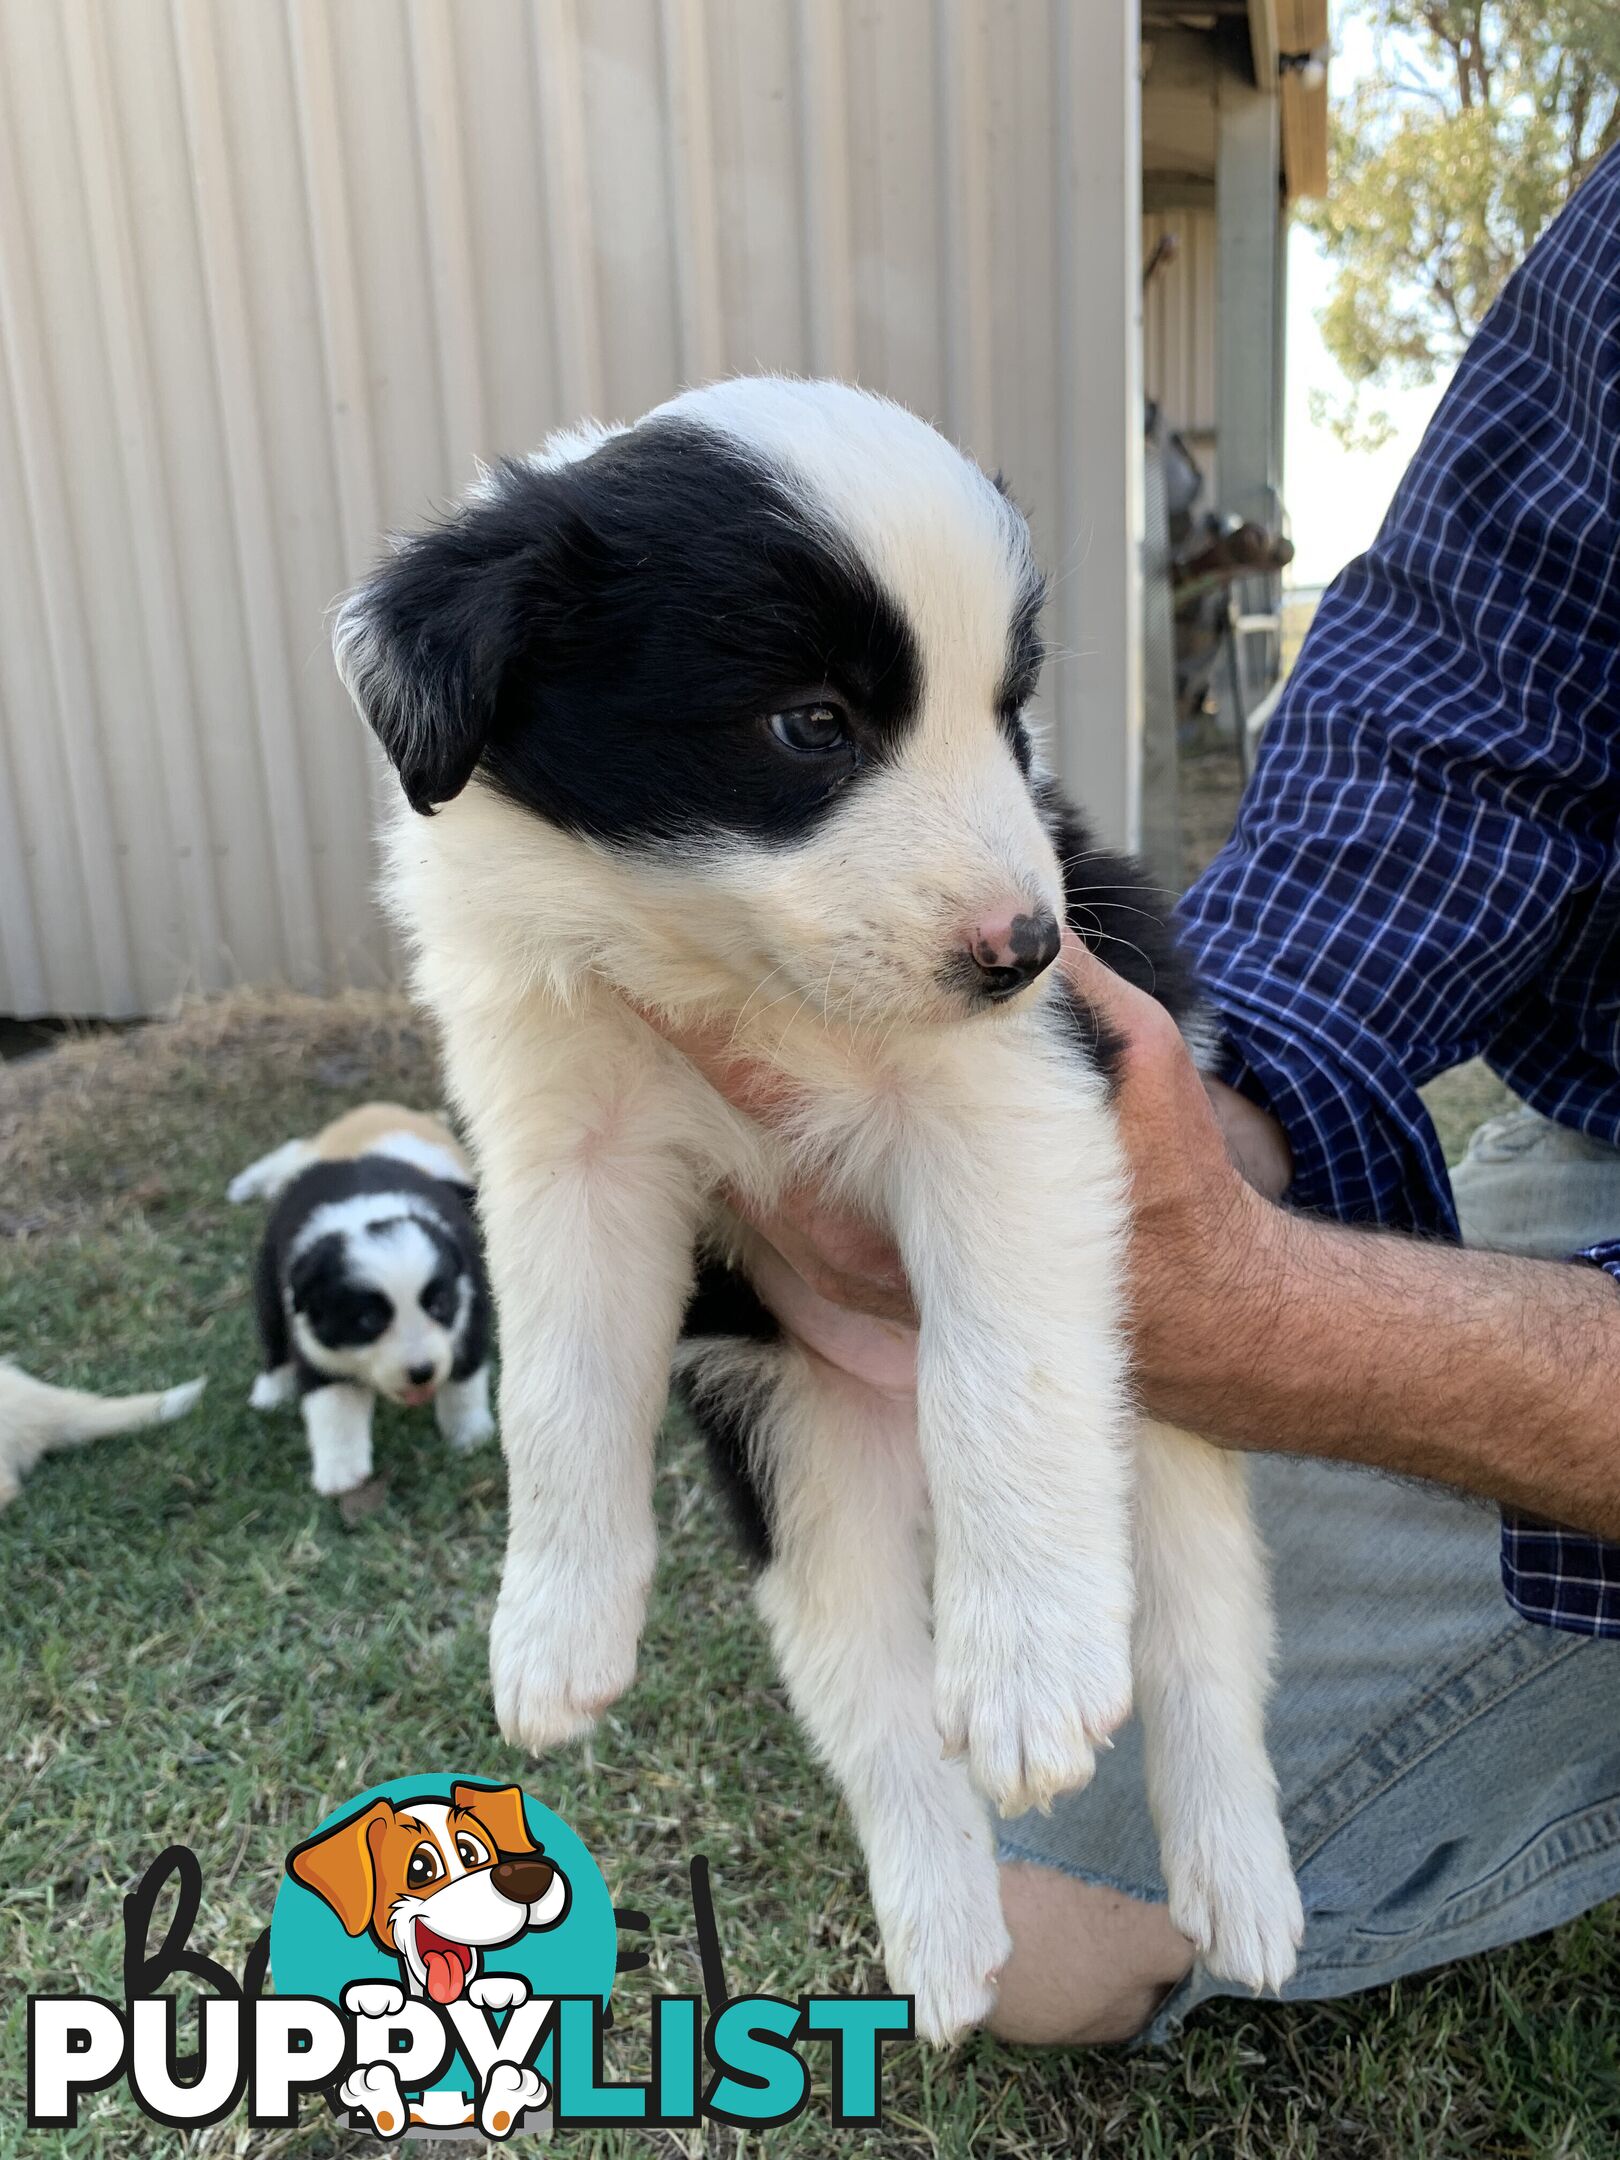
(1089, 1965)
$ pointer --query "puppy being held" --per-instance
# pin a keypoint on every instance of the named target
(370, 1282)
(721, 718)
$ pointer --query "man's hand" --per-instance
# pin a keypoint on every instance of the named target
(837, 1283)
(1253, 1326)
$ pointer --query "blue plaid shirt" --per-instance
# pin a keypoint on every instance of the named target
(1426, 867)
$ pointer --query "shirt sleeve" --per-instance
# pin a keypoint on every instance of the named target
(1564, 1578)
(1434, 801)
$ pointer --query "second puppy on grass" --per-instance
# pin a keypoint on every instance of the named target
(370, 1282)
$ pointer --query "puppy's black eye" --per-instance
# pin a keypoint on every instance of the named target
(469, 1851)
(811, 730)
(425, 1867)
(370, 1319)
(439, 1300)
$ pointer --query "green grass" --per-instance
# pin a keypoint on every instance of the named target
(193, 1647)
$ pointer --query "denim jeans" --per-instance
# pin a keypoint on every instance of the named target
(1450, 1774)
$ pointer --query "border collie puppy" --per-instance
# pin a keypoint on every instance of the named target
(370, 1282)
(720, 717)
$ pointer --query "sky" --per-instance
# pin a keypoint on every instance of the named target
(1336, 497)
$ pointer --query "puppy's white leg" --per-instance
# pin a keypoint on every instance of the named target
(590, 1209)
(1011, 1215)
(273, 1389)
(1203, 1653)
(497, 1991)
(373, 1998)
(846, 1600)
(262, 1180)
(463, 1411)
(337, 1420)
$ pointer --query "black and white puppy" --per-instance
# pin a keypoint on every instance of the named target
(370, 1282)
(722, 717)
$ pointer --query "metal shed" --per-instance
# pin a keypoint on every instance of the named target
(271, 278)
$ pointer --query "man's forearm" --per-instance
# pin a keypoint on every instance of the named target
(1478, 1370)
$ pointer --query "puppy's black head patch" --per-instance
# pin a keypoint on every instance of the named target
(340, 1312)
(655, 644)
(1026, 654)
(452, 1281)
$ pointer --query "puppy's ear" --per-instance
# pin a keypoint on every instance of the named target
(424, 645)
(501, 1814)
(340, 1866)
(314, 1270)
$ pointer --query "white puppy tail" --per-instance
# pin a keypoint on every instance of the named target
(35, 1417)
(262, 1180)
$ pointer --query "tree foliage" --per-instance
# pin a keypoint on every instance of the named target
(1479, 121)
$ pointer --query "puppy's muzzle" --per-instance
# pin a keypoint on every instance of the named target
(1011, 952)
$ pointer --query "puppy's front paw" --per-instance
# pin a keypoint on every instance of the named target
(272, 1389)
(373, 1998)
(944, 1944)
(341, 1469)
(1233, 1893)
(472, 1430)
(498, 1991)
(562, 1647)
(1030, 1682)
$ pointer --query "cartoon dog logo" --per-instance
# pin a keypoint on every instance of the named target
(437, 1883)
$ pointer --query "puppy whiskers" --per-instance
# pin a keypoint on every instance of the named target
(1107, 937)
(736, 1026)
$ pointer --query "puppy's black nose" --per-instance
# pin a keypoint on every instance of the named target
(523, 1881)
(419, 1375)
(1011, 952)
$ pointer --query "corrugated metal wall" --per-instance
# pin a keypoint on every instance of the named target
(272, 274)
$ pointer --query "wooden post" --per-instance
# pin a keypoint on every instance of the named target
(1248, 210)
